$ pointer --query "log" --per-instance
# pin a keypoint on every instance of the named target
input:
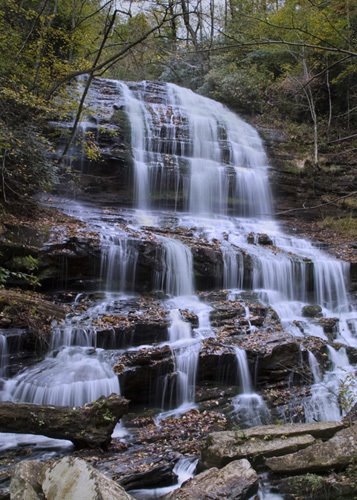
(89, 426)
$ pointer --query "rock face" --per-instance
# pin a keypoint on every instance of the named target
(73, 478)
(262, 441)
(237, 480)
(336, 453)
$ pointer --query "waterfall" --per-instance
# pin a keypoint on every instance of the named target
(197, 167)
(315, 368)
(119, 259)
(138, 118)
(3, 355)
(326, 391)
(248, 406)
(176, 277)
(72, 378)
(184, 470)
(186, 350)
(233, 266)
(195, 147)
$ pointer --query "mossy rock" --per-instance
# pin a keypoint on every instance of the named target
(312, 311)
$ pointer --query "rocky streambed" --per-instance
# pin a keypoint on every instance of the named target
(297, 460)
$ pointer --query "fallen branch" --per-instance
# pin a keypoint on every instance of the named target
(332, 202)
(89, 426)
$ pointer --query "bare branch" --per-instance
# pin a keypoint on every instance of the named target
(332, 202)
(110, 61)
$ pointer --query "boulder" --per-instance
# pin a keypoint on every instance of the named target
(264, 239)
(237, 480)
(224, 447)
(26, 482)
(336, 453)
(312, 311)
(73, 478)
(323, 430)
(314, 486)
(264, 440)
(89, 426)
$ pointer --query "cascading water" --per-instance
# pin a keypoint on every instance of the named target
(199, 167)
(248, 405)
(176, 277)
(184, 470)
(3, 355)
(327, 389)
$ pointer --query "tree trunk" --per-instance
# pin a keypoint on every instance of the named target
(89, 426)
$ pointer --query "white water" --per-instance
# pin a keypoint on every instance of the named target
(3, 355)
(248, 406)
(184, 469)
(72, 378)
(194, 157)
(176, 277)
(327, 389)
(119, 259)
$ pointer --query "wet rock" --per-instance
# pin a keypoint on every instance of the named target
(336, 453)
(26, 482)
(351, 415)
(251, 238)
(330, 327)
(285, 401)
(29, 316)
(134, 328)
(312, 311)
(70, 258)
(261, 441)
(29, 309)
(208, 264)
(237, 480)
(190, 317)
(156, 477)
(142, 374)
(74, 478)
(89, 426)
(217, 362)
(322, 430)
(274, 355)
(226, 311)
(352, 354)
(264, 239)
(336, 486)
(221, 448)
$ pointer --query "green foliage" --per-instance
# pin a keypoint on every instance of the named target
(6, 275)
(27, 263)
(261, 56)
(20, 269)
(40, 42)
(91, 148)
(347, 392)
(243, 86)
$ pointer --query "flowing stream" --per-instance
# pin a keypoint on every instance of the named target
(196, 166)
